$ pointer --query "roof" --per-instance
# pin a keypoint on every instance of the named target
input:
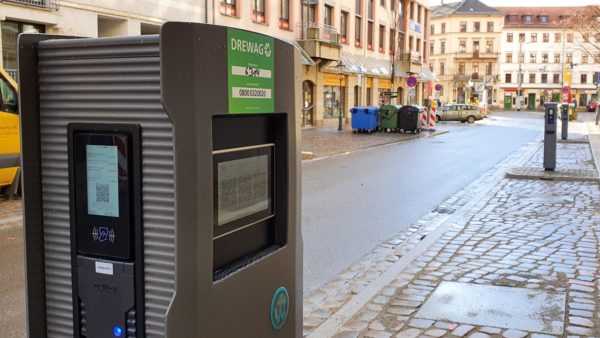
(463, 7)
(555, 15)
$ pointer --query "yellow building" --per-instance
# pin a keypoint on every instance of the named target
(346, 45)
(465, 46)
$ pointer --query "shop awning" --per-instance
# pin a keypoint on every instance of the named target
(306, 59)
(368, 66)
(427, 75)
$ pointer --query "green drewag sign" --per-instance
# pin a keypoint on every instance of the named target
(251, 75)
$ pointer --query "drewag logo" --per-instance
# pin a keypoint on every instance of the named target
(262, 49)
(280, 306)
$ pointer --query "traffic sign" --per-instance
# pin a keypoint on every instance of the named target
(411, 81)
(565, 90)
(438, 87)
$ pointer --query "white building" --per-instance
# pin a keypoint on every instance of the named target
(88, 18)
(536, 46)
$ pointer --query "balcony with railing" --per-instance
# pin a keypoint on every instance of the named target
(12, 72)
(45, 4)
(320, 41)
(476, 55)
(412, 60)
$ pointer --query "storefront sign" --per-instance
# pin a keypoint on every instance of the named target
(384, 84)
(333, 80)
(415, 27)
(369, 82)
(251, 78)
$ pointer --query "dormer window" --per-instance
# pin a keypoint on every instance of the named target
(543, 19)
(527, 19)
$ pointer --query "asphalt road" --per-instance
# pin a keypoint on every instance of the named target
(350, 203)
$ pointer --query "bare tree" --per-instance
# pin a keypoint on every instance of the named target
(585, 23)
(396, 34)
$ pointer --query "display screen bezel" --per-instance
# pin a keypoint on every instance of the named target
(225, 155)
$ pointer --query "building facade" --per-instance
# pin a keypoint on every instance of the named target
(465, 48)
(87, 18)
(537, 52)
(347, 46)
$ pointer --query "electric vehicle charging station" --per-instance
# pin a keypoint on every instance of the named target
(550, 118)
(565, 121)
(161, 184)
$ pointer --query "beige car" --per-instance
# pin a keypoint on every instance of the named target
(459, 112)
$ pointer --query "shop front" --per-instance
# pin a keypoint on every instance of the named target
(334, 96)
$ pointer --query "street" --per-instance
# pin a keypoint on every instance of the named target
(352, 203)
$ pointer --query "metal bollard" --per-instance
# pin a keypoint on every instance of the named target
(565, 121)
(550, 136)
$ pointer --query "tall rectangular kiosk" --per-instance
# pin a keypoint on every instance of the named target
(161, 184)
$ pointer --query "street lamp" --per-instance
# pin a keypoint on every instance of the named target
(340, 67)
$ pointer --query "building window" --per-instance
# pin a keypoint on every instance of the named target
(569, 37)
(509, 58)
(488, 68)
(507, 78)
(370, 9)
(544, 57)
(556, 58)
(442, 68)
(543, 19)
(382, 3)
(258, 11)
(556, 78)
(10, 32)
(462, 46)
(284, 14)
(357, 29)
(476, 26)
(546, 37)
(509, 37)
(412, 10)
(528, 19)
(533, 37)
(583, 78)
(392, 39)
(327, 15)
(557, 37)
(443, 28)
(490, 26)
(489, 46)
(443, 47)
(344, 26)
(463, 26)
(461, 68)
(356, 96)
(544, 78)
(358, 7)
(228, 7)
(370, 35)
(369, 97)
(584, 58)
(382, 38)
(521, 57)
(432, 48)
(532, 57)
(531, 78)
(521, 37)
(475, 68)
(513, 19)
(432, 28)
(569, 57)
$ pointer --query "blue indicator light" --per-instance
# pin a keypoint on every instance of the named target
(118, 331)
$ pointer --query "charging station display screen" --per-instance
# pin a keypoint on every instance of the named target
(102, 164)
(243, 188)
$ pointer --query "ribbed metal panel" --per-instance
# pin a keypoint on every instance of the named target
(106, 81)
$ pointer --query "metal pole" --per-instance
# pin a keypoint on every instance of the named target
(340, 67)
(519, 77)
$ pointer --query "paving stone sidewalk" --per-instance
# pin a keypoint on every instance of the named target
(538, 237)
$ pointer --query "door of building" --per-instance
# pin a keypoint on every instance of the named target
(307, 103)
(531, 101)
(507, 102)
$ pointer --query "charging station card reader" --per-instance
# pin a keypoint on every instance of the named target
(551, 116)
(104, 225)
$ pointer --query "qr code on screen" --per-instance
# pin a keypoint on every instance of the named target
(102, 193)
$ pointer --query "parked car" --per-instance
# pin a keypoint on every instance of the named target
(591, 106)
(460, 112)
(10, 145)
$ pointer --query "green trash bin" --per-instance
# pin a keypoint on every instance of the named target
(573, 111)
(388, 115)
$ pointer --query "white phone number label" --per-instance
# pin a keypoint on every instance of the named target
(250, 93)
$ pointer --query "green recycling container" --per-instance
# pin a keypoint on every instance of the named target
(388, 115)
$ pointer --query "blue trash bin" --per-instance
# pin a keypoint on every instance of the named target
(365, 119)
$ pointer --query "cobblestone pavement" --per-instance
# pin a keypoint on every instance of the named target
(329, 141)
(529, 234)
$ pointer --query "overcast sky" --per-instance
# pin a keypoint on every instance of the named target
(528, 3)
